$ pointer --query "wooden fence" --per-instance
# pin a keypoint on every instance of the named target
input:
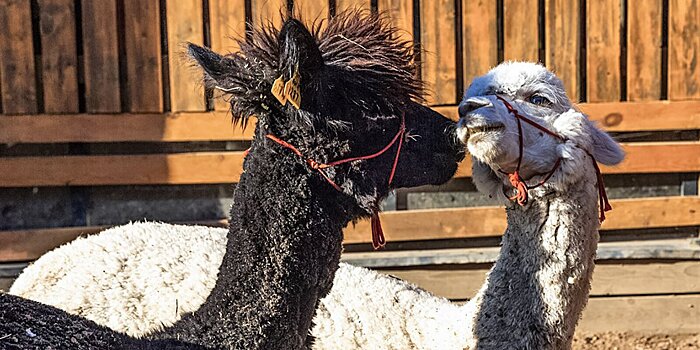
(75, 74)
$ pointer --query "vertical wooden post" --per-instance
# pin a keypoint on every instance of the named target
(184, 18)
(438, 59)
(226, 23)
(101, 56)
(401, 14)
(143, 56)
(479, 39)
(520, 32)
(603, 50)
(59, 56)
(644, 50)
(563, 42)
(17, 58)
(265, 11)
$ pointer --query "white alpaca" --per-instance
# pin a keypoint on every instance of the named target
(532, 298)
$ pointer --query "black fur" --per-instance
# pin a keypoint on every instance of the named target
(285, 238)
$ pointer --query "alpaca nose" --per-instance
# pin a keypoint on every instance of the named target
(472, 104)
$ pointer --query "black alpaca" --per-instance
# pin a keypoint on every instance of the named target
(357, 84)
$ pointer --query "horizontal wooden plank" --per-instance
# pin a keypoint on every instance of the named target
(632, 116)
(181, 168)
(618, 278)
(176, 127)
(490, 221)
(225, 167)
(673, 249)
(671, 314)
(641, 157)
(430, 224)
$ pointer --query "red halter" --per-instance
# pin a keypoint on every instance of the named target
(378, 240)
(519, 184)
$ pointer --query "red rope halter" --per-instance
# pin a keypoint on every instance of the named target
(378, 240)
(519, 184)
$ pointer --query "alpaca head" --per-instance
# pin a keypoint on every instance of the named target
(356, 82)
(493, 137)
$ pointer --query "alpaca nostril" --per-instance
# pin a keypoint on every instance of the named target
(472, 104)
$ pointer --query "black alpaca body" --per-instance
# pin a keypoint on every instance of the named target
(285, 238)
(28, 325)
(284, 246)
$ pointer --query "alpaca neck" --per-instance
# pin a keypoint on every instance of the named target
(283, 248)
(536, 290)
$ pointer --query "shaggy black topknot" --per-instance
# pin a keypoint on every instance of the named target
(358, 49)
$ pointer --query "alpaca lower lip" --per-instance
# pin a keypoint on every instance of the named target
(485, 128)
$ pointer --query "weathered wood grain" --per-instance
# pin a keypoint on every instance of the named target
(175, 127)
(186, 126)
(658, 314)
(438, 58)
(184, 25)
(312, 10)
(401, 14)
(143, 56)
(563, 43)
(225, 167)
(59, 56)
(479, 39)
(684, 50)
(101, 56)
(644, 50)
(342, 5)
(631, 116)
(609, 278)
(180, 168)
(268, 11)
(603, 50)
(227, 24)
(17, 71)
(520, 32)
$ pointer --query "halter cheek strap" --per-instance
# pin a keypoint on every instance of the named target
(378, 240)
(521, 187)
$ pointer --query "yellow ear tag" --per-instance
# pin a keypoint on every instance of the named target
(292, 90)
(277, 90)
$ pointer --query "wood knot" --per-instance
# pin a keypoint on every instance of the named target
(612, 119)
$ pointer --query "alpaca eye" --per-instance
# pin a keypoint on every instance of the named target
(539, 100)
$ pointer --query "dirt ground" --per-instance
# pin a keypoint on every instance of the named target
(636, 341)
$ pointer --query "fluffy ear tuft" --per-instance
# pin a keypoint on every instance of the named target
(576, 127)
(298, 49)
(605, 150)
(213, 64)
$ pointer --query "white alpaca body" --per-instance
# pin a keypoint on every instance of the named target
(136, 291)
(134, 278)
(532, 297)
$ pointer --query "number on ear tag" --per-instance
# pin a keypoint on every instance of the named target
(277, 90)
(292, 90)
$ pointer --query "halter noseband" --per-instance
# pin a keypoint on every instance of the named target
(521, 187)
(378, 240)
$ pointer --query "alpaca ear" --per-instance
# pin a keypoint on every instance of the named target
(605, 150)
(213, 64)
(298, 50)
(576, 126)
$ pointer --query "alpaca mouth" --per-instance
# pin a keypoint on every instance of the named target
(473, 130)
